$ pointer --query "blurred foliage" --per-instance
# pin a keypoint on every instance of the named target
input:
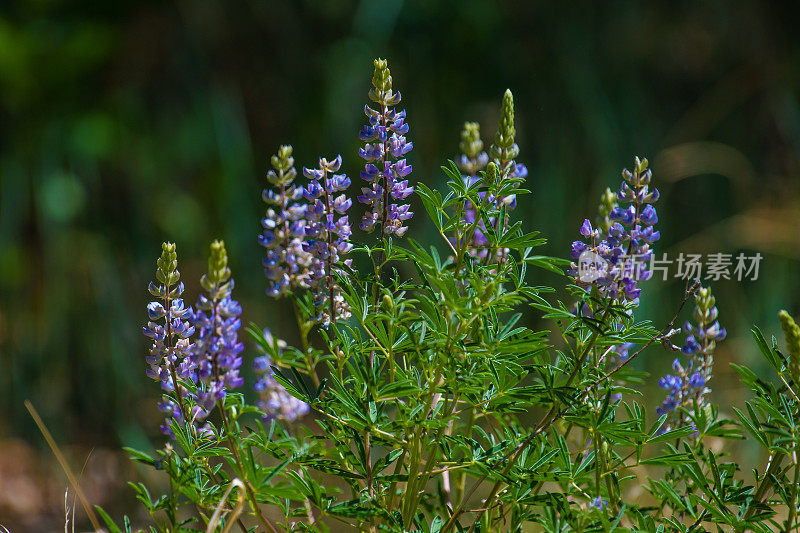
(126, 123)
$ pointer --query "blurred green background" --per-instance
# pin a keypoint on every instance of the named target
(126, 123)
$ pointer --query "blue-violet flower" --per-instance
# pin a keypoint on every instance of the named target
(169, 358)
(274, 401)
(327, 237)
(286, 264)
(615, 260)
(384, 150)
(217, 350)
(689, 383)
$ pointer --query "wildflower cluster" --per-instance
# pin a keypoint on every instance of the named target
(287, 262)
(613, 261)
(497, 191)
(274, 401)
(385, 149)
(217, 350)
(473, 158)
(435, 406)
(328, 237)
(504, 150)
(170, 356)
(472, 161)
(688, 388)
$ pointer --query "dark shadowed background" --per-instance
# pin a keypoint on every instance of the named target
(126, 123)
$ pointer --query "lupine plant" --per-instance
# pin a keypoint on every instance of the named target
(419, 400)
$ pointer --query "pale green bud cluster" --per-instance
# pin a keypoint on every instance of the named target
(218, 271)
(505, 148)
(471, 144)
(473, 159)
(381, 91)
(791, 331)
(491, 173)
(283, 164)
(608, 201)
(705, 311)
(167, 265)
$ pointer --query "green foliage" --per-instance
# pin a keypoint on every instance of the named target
(437, 409)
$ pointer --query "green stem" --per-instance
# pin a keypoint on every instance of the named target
(393, 487)
(304, 329)
(462, 476)
(240, 467)
(612, 497)
(411, 496)
(793, 506)
(171, 509)
(774, 465)
(548, 419)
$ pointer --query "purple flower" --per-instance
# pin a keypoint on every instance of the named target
(689, 384)
(327, 237)
(286, 264)
(615, 257)
(384, 151)
(586, 228)
(274, 401)
(169, 357)
(598, 503)
(217, 351)
(622, 351)
(505, 175)
(691, 346)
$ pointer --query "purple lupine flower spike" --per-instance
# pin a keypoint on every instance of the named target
(615, 257)
(217, 351)
(274, 401)
(471, 162)
(287, 263)
(504, 171)
(504, 152)
(327, 237)
(169, 357)
(384, 150)
(689, 384)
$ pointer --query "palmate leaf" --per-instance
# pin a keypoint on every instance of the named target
(752, 427)
(294, 383)
(528, 240)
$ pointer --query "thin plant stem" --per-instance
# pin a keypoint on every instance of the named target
(62, 461)
(240, 466)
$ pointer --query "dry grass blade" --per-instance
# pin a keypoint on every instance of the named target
(234, 514)
(63, 462)
(66, 511)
